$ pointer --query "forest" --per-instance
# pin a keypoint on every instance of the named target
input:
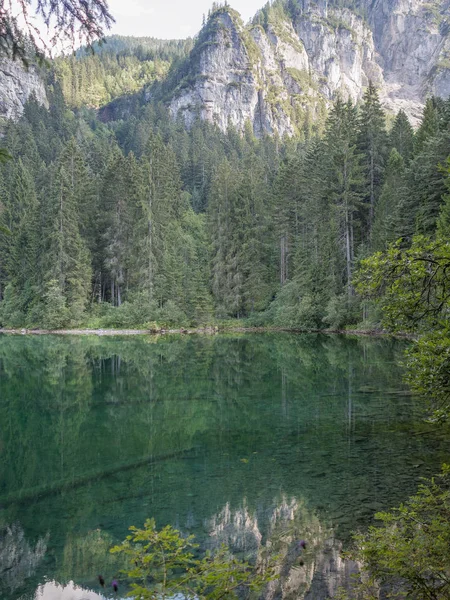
(138, 222)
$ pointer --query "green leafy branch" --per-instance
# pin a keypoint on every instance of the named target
(408, 556)
(412, 285)
(162, 564)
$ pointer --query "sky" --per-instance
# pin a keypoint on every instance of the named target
(169, 19)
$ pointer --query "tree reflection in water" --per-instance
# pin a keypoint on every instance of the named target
(99, 434)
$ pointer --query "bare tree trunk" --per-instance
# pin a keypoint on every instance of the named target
(348, 253)
(372, 191)
(283, 259)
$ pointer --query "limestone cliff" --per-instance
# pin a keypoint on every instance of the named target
(412, 40)
(238, 75)
(16, 86)
(281, 71)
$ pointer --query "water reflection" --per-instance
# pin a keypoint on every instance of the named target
(98, 434)
(316, 571)
(18, 558)
(53, 591)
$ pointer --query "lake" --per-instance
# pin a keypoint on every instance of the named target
(249, 439)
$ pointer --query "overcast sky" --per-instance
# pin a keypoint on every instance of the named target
(169, 19)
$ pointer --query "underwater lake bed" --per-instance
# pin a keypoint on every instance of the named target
(240, 439)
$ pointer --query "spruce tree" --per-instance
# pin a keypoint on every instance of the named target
(20, 252)
(66, 260)
(373, 145)
(345, 182)
(221, 213)
(388, 213)
(160, 207)
(429, 125)
(117, 236)
(401, 136)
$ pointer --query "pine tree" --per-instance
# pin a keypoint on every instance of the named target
(286, 214)
(20, 252)
(373, 144)
(345, 179)
(388, 213)
(254, 243)
(401, 136)
(429, 125)
(443, 225)
(426, 181)
(118, 225)
(4, 233)
(222, 201)
(66, 259)
(160, 206)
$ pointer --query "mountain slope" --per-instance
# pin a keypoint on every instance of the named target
(281, 71)
(276, 75)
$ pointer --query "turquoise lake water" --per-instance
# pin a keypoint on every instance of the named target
(241, 439)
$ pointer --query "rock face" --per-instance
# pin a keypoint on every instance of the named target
(280, 73)
(16, 86)
(238, 75)
(412, 39)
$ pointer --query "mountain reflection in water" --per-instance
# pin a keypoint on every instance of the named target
(314, 572)
(252, 440)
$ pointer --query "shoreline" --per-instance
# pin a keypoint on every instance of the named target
(201, 331)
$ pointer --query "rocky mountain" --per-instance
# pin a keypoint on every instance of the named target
(16, 85)
(280, 72)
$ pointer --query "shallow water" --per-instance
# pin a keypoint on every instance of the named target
(241, 439)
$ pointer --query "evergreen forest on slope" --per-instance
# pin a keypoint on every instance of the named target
(121, 217)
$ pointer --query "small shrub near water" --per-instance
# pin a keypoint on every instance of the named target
(164, 564)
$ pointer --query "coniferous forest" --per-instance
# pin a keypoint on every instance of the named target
(138, 221)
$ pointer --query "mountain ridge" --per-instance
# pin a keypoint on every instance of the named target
(402, 46)
(279, 74)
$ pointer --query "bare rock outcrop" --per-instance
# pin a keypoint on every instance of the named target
(279, 76)
(17, 84)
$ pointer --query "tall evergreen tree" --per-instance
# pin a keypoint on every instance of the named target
(160, 206)
(66, 260)
(401, 136)
(221, 211)
(20, 247)
(429, 125)
(373, 144)
(116, 192)
(389, 223)
(345, 179)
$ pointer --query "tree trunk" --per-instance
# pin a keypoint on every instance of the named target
(372, 191)
(284, 258)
